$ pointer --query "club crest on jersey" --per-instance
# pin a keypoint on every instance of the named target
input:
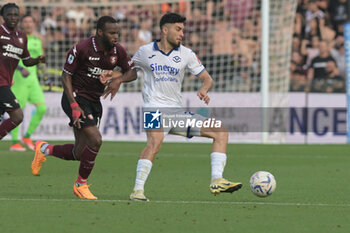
(20, 40)
(113, 60)
(177, 59)
(70, 59)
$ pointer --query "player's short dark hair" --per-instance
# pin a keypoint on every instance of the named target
(171, 18)
(8, 6)
(101, 22)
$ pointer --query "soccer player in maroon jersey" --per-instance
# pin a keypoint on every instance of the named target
(81, 99)
(13, 47)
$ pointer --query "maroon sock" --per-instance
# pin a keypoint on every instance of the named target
(6, 127)
(63, 151)
(80, 180)
(87, 162)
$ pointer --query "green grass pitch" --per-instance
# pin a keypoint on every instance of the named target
(312, 195)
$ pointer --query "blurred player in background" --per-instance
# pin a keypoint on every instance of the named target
(27, 88)
(163, 64)
(81, 99)
(13, 47)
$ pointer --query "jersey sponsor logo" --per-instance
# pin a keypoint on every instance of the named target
(166, 79)
(113, 60)
(15, 56)
(153, 55)
(12, 49)
(94, 58)
(5, 38)
(95, 72)
(164, 69)
(70, 59)
(152, 119)
(177, 59)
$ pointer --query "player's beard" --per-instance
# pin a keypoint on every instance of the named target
(175, 45)
(173, 42)
(107, 44)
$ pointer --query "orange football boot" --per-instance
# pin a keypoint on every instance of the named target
(83, 192)
(28, 142)
(39, 158)
(17, 147)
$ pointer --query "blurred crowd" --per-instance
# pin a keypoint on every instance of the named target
(213, 31)
(225, 34)
(318, 59)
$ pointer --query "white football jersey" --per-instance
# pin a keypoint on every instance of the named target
(163, 73)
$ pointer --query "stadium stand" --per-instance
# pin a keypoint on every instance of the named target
(225, 34)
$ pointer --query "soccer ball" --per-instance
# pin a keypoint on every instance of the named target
(262, 183)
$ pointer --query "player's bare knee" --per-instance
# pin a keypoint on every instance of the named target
(221, 134)
(96, 142)
(16, 116)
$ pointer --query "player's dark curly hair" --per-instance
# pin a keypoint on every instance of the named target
(7, 6)
(171, 18)
(101, 22)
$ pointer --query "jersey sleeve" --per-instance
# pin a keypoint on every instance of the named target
(124, 61)
(194, 64)
(72, 60)
(25, 55)
(137, 58)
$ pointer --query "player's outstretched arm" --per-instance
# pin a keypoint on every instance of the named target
(34, 61)
(207, 83)
(114, 85)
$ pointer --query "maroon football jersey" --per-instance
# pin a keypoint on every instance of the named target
(13, 47)
(85, 63)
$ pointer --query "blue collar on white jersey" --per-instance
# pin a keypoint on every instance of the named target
(155, 47)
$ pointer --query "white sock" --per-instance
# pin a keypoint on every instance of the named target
(218, 162)
(142, 171)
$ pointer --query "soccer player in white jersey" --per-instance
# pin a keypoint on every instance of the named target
(163, 63)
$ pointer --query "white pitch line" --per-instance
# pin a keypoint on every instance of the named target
(184, 202)
(248, 156)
